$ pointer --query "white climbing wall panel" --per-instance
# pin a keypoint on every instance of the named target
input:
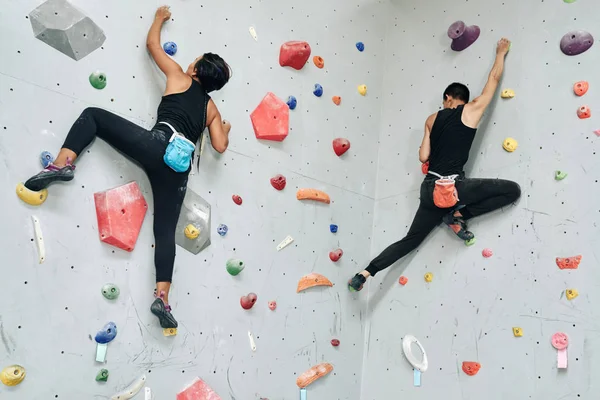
(468, 311)
(49, 310)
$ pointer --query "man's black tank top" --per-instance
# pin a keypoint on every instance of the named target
(450, 141)
(186, 111)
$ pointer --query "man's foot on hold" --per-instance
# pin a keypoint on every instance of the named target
(163, 311)
(49, 175)
(458, 226)
(356, 283)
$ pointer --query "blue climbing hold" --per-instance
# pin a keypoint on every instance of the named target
(292, 102)
(360, 46)
(333, 228)
(318, 90)
(170, 48)
(46, 158)
(107, 334)
(222, 229)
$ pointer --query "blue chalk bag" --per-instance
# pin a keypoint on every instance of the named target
(178, 155)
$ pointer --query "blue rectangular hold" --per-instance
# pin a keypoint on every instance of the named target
(303, 394)
(417, 377)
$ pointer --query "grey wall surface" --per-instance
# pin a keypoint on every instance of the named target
(50, 309)
(468, 311)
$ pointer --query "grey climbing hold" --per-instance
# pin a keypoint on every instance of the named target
(62, 26)
(196, 211)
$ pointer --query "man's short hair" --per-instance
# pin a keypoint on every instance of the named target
(457, 91)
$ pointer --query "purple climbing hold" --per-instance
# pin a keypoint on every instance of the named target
(576, 42)
(462, 36)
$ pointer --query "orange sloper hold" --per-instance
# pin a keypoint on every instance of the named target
(319, 62)
(313, 194)
(313, 279)
(471, 367)
(568, 262)
(313, 373)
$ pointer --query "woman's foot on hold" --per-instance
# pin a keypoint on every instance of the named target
(355, 284)
(163, 312)
(456, 222)
(50, 174)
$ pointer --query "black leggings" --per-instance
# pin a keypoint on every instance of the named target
(147, 148)
(478, 196)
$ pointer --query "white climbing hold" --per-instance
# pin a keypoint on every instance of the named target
(131, 390)
(253, 33)
(406, 347)
(39, 239)
(285, 242)
(147, 393)
(252, 343)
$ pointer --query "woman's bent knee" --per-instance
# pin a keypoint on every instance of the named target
(515, 191)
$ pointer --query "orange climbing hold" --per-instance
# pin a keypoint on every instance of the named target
(568, 262)
(120, 212)
(471, 367)
(580, 88)
(198, 390)
(313, 194)
(311, 280)
(337, 100)
(403, 280)
(294, 54)
(271, 119)
(312, 374)
(584, 112)
(319, 62)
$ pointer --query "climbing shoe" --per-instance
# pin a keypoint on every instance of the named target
(163, 313)
(356, 283)
(49, 175)
(458, 226)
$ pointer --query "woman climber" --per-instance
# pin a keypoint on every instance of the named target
(165, 156)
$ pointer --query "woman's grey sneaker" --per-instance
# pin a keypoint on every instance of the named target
(49, 175)
(163, 312)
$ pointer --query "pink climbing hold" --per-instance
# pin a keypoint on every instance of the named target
(487, 253)
(271, 119)
(340, 146)
(278, 182)
(247, 302)
(237, 199)
(335, 342)
(198, 390)
(462, 36)
(335, 255)
(272, 305)
(597, 132)
(584, 112)
(294, 54)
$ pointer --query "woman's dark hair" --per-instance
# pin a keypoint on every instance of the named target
(457, 91)
(212, 71)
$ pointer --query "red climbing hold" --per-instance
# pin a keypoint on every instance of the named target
(271, 119)
(247, 302)
(487, 253)
(278, 182)
(584, 112)
(337, 100)
(335, 342)
(580, 88)
(198, 390)
(237, 199)
(340, 146)
(294, 54)
(403, 280)
(471, 367)
(120, 212)
(568, 262)
(335, 255)
(425, 167)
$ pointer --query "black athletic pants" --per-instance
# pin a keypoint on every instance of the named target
(478, 196)
(147, 148)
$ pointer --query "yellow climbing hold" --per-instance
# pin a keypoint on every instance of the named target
(30, 197)
(571, 294)
(518, 332)
(510, 144)
(170, 331)
(428, 277)
(362, 89)
(507, 94)
(191, 232)
(12, 375)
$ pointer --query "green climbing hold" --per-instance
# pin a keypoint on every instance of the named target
(110, 291)
(570, 1)
(560, 175)
(102, 375)
(470, 242)
(235, 266)
(98, 80)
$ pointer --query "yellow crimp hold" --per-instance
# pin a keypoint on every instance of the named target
(428, 277)
(571, 294)
(12, 375)
(362, 89)
(191, 232)
(507, 94)
(510, 144)
(30, 197)
(170, 331)
(518, 332)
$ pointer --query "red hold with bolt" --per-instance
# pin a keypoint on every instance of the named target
(237, 199)
(247, 302)
(335, 255)
(340, 146)
(335, 342)
(278, 182)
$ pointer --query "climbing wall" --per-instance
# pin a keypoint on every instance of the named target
(52, 311)
(469, 309)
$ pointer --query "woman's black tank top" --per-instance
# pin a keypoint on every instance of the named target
(450, 141)
(186, 111)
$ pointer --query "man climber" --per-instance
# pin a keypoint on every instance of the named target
(446, 194)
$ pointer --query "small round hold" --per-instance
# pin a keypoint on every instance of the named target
(319, 62)
(362, 89)
(487, 253)
(247, 302)
(272, 305)
(222, 229)
(278, 182)
(403, 280)
(336, 255)
(580, 88)
(510, 144)
(292, 102)
(318, 90)
(560, 175)
(46, 158)
(360, 46)
(584, 112)
(234, 266)
(333, 228)
(237, 199)
(12, 375)
(102, 376)
(507, 94)
(337, 100)
(335, 342)
(428, 277)
(110, 291)
(170, 48)
(191, 232)
(98, 79)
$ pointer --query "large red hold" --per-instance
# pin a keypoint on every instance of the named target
(198, 390)
(120, 213)
(271, 119)
(294, 54)
(340, 146)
